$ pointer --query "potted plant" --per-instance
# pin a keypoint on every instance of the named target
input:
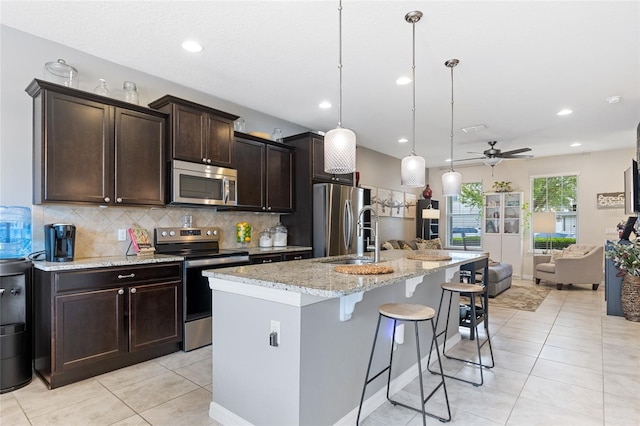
(626, 257)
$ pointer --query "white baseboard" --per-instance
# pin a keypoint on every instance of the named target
(226, 417)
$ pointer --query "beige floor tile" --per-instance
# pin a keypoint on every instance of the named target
(11, 413)
(529, 325)
(181, 359)
(100, 410)
(485, 402)
(516, 346)
(569, 374)
(575, 343)
(513, 361)
(563, 396)
(37, 400)
(620, 360)
(458, 418)
(501, 379)
(199, 372)
(135, 420)
(590, 335)
(528, 412)
(572, 357)
(129, 375)
(388, 414)
(593, 325)
(539, 316)
(521, 334)
(623, 385)
(191, 409)
(154, 391)
(621, 411)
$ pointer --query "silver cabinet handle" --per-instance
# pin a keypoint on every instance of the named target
(267, 261)
(204, 160)
(297, 257)
(132, 275)
(209, 160)
(107, 199)
(133, 290)
(118, 200)
(121, 291)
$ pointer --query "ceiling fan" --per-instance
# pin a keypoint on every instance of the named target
(493, 156)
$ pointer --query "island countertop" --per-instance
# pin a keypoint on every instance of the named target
(317, 276)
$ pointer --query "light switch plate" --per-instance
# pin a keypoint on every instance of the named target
(122, 235)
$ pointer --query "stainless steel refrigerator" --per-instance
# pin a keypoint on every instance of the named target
(335, 218)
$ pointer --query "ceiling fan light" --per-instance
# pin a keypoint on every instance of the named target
(492, 161)
(451, 184)
(412, 171)
(340, 151)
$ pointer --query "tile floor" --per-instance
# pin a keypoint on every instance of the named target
(568, 363)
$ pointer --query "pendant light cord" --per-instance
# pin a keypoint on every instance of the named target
(451, 135)
(340, 62)
(413, 79)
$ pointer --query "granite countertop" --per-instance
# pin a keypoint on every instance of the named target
(317, 276)
(103, 262)
(269, 250)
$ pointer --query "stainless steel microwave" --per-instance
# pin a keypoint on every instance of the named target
(193, 183)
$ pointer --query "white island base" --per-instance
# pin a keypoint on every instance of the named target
(316, 373)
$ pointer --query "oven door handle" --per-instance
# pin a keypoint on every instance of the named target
(215, 261)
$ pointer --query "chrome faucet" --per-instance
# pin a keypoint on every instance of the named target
(376, 248)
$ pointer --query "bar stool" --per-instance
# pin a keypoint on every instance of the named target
(470, 290)
(408, 313)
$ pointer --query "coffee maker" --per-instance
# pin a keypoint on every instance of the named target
(59, 242)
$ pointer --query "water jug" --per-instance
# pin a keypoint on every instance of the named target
(15, 232)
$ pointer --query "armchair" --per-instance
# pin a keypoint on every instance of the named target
(578, 264)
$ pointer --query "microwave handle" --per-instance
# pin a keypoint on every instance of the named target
(225, 197)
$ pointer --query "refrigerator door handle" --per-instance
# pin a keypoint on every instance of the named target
(348, 225)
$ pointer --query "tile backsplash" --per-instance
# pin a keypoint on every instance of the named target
(97, 227)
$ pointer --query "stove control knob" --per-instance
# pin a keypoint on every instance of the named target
(163, 233)
(209, 232)
(172, 233)
(215, 232)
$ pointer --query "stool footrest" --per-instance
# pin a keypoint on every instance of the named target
(435, 416)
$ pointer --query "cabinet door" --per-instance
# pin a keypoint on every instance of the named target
(78, 150)
(89, 328)
(318, 166)
(279, 179)
(155, 315)
(188, 134)
(139, 167)
(219, 141)
(249, 160)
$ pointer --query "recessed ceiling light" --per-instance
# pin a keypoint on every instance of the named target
(474, 128)
(614, 99)
(325, 105)
(403, 80)
(575, 144)
(564, 112)
(448, 160)
(192, 46)
(403, 140)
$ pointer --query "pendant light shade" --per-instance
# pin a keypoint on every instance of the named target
(452, 180)
(413, 166)
(451, 184)
(340, 143)
(340, 151)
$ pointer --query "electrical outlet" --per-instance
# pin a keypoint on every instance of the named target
(275, 328)
(122, 235)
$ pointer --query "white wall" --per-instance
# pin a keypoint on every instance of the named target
(598, 172)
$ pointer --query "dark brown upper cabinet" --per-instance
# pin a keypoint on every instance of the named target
(93, 149)
(311, 147)
(265, 174)
(198, 133)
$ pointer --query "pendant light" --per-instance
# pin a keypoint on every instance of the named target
(451, 181)
(412, 167)
(340, 143)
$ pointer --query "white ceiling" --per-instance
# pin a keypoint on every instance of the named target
(520, 63)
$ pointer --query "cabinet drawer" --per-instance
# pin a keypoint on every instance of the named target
(265, 258)
(296, 255)
(113, 277)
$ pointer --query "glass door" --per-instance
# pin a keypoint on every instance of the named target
(493, 206)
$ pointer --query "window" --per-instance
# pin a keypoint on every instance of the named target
(557, 194)
(463, 217)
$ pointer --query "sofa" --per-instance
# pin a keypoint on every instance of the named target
(576, 264)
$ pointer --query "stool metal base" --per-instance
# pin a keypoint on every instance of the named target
(473, 327)
(388, 369)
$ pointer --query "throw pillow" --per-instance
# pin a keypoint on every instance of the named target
(387, 246)
(421, 246)
(403, 245)
(556, 254)
(434, 244)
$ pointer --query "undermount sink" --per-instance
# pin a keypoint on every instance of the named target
(349, 261)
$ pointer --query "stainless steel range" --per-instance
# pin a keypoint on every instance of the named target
(201, 250)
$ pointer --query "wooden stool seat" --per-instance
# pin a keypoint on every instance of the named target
(462, 288)
(407, 311)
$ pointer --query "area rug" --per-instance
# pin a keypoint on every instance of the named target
(522, 295)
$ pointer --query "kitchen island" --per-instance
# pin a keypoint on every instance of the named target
(325, 322)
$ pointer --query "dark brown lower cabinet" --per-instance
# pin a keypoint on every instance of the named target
(280, 257)
(88, 322)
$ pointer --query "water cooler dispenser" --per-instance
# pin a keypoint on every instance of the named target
(15, 298)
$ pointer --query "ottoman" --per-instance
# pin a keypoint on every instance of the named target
(499, 278)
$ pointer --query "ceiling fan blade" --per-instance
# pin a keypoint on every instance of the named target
(469, 159)
(516, 156)
(514, 151)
